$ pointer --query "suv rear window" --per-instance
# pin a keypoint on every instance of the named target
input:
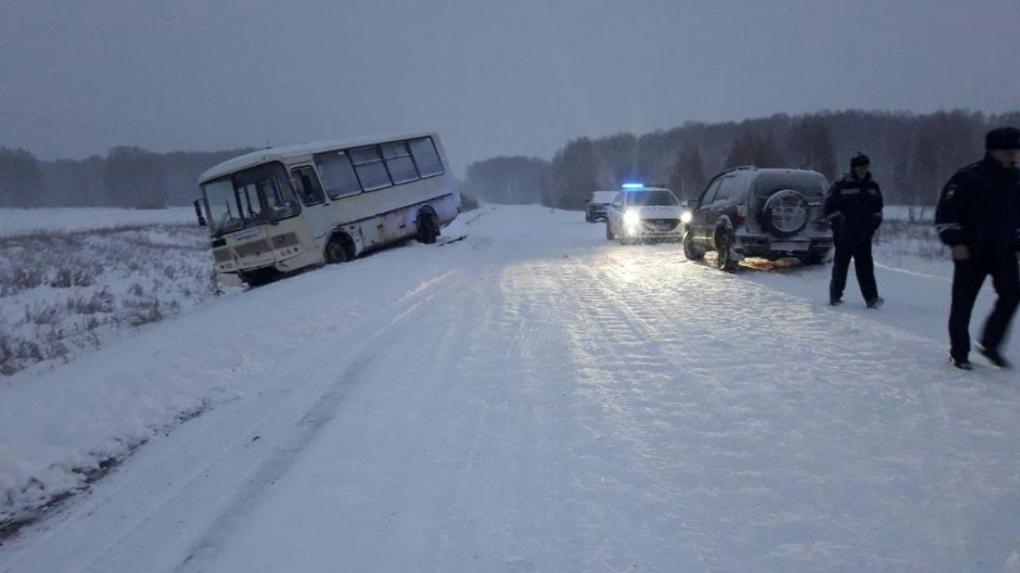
(811, 185)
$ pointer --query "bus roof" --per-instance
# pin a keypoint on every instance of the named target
(261, 156)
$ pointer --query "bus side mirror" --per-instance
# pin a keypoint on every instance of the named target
(198, 212)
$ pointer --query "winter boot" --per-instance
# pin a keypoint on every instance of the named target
(961, 363)
(993, 356)
(876, 302)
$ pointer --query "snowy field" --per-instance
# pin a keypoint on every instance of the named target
(907, 213)
(67, 292)
(532, 398)
(21, 221)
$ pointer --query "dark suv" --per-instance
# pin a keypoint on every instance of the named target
(751, 212)
(598, 205)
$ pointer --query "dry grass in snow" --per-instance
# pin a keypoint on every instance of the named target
(65, 291)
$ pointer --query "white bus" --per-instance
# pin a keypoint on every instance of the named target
(278, 210)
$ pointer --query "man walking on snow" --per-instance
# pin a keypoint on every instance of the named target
(979, 217)
(854, 205)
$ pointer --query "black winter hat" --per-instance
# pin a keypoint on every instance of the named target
(859, 160)
(1003, 138)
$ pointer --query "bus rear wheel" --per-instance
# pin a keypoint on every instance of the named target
(336, 250)
(428, 228)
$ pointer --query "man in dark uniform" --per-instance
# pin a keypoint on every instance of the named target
(854, 207)
(979, 217)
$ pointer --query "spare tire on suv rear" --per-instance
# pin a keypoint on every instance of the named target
(785, 213)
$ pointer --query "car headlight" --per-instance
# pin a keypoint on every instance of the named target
(631, 218)
(685, 217)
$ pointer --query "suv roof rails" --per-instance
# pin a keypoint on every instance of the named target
(742, 168)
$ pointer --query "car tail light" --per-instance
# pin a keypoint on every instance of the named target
(741, 215)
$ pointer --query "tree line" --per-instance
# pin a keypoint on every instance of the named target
(125, 177)
(912, 155)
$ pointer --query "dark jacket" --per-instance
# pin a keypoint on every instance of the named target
(980, 208)
(855, 208)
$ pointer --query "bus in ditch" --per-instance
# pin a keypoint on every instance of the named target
(279, 210)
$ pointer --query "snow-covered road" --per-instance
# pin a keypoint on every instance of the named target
(536, 399)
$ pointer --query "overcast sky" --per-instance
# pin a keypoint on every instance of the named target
(493, 77)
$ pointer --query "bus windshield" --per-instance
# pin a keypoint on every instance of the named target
(224, 215)
(248, 198)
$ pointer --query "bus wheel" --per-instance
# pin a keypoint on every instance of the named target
(336, 250)
(259, 277)
(428, 228)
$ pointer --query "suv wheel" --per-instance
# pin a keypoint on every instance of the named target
(724, 252)
(691, 252)
(610, 236)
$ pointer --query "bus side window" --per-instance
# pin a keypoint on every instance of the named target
(337, 172)
(306, 183)
(368, 164)
(398, 162)
(426, 157)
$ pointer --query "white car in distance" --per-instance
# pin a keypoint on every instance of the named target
(645, 214)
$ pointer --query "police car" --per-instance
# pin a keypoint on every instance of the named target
(640, 213)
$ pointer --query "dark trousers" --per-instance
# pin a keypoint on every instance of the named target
(968, 276)
(863, 264)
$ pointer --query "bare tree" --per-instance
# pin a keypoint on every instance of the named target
(810, 146)
(21, 182)
(513, 180)
(135, 178)
(752, 149)
(688, 175)
(574, 175)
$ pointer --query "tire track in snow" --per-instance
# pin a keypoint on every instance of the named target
(313, 420)
(500, 490)
(632, 384)
(475, 456)
(200, 467)
(504, 326)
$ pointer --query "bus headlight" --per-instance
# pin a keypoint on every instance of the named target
(631, 218)
(685, 217)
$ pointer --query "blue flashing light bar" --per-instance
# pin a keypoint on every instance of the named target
(633, 185)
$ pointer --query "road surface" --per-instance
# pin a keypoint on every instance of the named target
(534, 398)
